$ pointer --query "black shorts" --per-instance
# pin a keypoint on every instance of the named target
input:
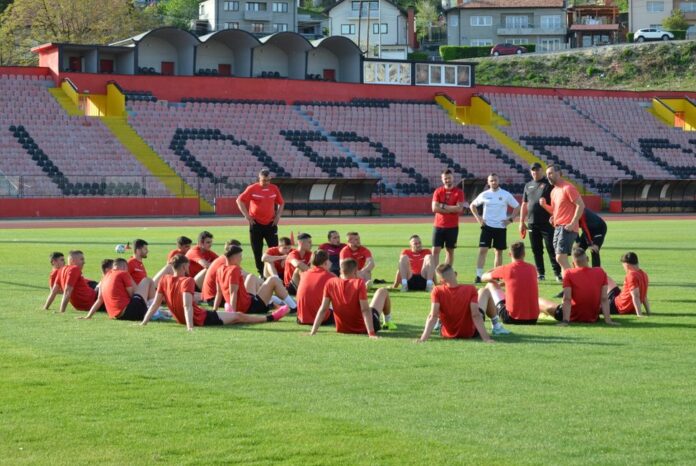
(376, 323)
(92, 284)
(493, 237)
(505, 316)
(212, 319)
(257, 306)
(292, 291)
(558, 313)
(613, 293)
(597, 240)
(329, 321)
(136, 309)
(417, 283)
(445, 237)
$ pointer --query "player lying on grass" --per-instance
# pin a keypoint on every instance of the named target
(584, 294)
(119, 294)
(359, 253)
(274, 258)
(177, 291)
(246, 295)
(347, 295)
(634, 295)
(415, 271)
(311, 290)
(518, 303)
(54, 289)
(456, 306)
(297, 262)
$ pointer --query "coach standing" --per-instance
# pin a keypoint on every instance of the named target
(535, 221)
(262, 205)
(448, 204)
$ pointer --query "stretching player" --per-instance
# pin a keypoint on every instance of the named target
(594, 231)
(456, 307)
(634, 295)
(584, 294)
(354, 250)
(177, 291)
(415, 272)
(448, 204)
(347, 295)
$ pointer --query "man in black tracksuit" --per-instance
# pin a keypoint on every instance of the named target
(534, 220)
(594, 230)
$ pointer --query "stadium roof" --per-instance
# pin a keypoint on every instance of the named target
(166, 30)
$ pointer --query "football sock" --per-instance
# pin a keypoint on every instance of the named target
(290, 302)
(479, 272)
(404, 282)
(496, 321)
(387, 318)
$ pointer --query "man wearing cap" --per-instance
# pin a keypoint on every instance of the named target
(534, 220)
(262, 205)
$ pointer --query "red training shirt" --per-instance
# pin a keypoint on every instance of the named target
(289, 268)
(209, 282)
(54, 276)
(114, 293)
(563, 197)
(232, 275)
(172, 288)
(82, 296)
(194, 255)
(332, 249)
(174, 252)
(634, 279)
(521, 289)
(455, 309)
(279, 265)
(261, 202)
(360, 255)
(415, 259)
(585, 284)
(136, 269)
(448, 197)
(310, 294)
(345, 296)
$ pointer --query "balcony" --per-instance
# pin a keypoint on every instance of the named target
(531, 31)
(257, 15)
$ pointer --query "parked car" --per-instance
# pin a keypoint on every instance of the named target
(641, 35)
(507, 49)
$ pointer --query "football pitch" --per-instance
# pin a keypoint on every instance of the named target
(107, 392)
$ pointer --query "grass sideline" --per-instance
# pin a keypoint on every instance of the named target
(76, 392)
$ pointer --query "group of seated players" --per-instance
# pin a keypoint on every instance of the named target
(330, 287)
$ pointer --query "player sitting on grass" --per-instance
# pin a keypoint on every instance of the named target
(311, 290)
(519, 302)
(247, 296)
(177, 291)
(333, 247)
(136, 268)
(274, 258)
(584, 294)
(54, 289)
(119, 294)
(634, 295)
(359, 253)
(77, 290)
(297, 262)
(347, 295)
(210, 281)
(456, 307)
(183, 244)
(415, 272)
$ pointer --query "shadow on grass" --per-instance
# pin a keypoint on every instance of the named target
(652, 322)
(24, 285)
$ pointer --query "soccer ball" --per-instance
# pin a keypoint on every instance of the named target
(120, 248)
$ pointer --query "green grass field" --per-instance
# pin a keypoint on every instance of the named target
(76, 392)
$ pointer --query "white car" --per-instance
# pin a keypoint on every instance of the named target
(641, 35)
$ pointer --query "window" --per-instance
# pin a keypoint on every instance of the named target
(374, 6)
(256, 27)
(481, 20)
(280, 27)
(280, 7)
(442, 75)
(549, 45)
(480, 42)
(230, 6)
(516, 22)
(551, 22)
(387, 73)
(454, 20)
(347, 29)
(655, 7)
(517, 41)
(201, 9)
(688, 7)
(255, 6)
(379, 28)
(231, 25)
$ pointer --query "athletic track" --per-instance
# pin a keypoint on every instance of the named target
(238, 221)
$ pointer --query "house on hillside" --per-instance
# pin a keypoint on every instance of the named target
(380, 28)
(258, 17)
(594, 23)
(650, 13)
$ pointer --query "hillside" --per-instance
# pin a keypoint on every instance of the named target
(649, 66)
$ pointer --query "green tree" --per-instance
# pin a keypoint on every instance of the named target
(675, 21)
(4, 4)
(426, 14)
(28, 23)
(179, 13)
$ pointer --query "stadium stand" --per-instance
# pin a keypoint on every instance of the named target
(48, 153)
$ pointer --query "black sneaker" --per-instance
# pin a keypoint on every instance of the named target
(478, 280)
(541, 277)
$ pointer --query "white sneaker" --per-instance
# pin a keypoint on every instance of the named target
(500, 330)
